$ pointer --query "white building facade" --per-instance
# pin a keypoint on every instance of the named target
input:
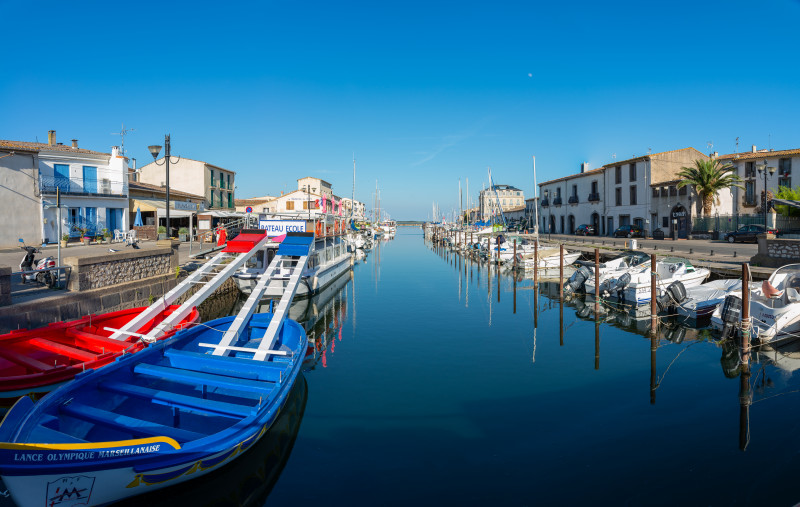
(215, 183)
(749, 166)
(92, 188)
(497, 197)
(619, 194)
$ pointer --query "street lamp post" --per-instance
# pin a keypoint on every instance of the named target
(771, 170)
(155, 150)
(549, 213)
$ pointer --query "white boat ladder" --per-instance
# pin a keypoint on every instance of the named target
(294, 251)
(220, 267)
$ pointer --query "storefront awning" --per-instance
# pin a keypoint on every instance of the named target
(159, 207)
(222, 214)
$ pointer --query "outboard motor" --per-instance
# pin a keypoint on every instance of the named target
(731, 315)
(619, 285)
(577, 280)
(672, 297)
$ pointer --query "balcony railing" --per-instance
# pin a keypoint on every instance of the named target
(594, 197)
(557, 201)
(100, 186)
(545, 203)
(573, 199)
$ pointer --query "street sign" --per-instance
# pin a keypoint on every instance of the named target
(248, 209)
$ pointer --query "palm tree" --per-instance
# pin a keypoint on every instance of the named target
(709, 177)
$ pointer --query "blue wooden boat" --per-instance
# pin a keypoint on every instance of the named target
(170, 413)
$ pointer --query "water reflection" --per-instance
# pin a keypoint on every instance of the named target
(768, 376)
(249, 479)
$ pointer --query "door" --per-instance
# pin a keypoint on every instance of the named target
(91, 220)
(610, 229)
(596, 223)
(73, 221)
(89, 179)
(571, 224)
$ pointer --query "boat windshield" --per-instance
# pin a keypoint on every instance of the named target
(786, 277)
(632, 257)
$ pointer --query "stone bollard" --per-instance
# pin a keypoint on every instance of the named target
(5, 286)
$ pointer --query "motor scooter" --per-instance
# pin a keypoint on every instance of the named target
(45, 277)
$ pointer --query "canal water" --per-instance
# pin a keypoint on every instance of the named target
(435, 382)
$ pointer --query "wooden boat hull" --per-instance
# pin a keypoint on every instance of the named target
(156, 449)
(35, 361)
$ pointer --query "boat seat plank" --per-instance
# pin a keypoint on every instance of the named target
(137, 427)
(238, 367)
(24, 360)
(44, 435)
(202, 378)
(178, 400)
(96, 340)
(64, 350)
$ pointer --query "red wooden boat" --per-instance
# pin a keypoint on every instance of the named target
(34, 361)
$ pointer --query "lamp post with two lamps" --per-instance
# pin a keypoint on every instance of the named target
(155, 150)
(762, 168)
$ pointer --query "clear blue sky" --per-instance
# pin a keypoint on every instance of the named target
(423, 92)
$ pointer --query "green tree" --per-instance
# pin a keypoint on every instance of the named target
(709, 177)
(789, 194)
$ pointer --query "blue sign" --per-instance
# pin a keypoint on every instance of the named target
(248, 209)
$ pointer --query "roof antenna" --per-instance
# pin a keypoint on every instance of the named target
(710, 146)
(614, 156)
(122, 133)
(737, 145)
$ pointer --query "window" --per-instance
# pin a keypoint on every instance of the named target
(683, 190)
(90, 179)
(212, 199)
(749, 169)
(750, 192)
(785, 172)
(229, 183)
(618, 175)
(633, 194)
(673, 191)
(289, 205)
(665, 222)
(574, 190)
(558, 192)
(655, 192)
(594, 187)
(212, 184)
(230, 199)
(632, 170)
(619, 197)
(221, 200)
(61, 173)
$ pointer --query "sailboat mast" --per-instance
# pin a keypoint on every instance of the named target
(535, 201)
(353, 198)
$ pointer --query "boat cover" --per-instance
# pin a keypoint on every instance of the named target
(245, 241)
(295, 245)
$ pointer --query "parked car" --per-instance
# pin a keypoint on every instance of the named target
(629, 231)
(747, 233)
(585, 230)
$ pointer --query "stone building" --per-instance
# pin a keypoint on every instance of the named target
(749, 167)
(497, 197)
(215, 184)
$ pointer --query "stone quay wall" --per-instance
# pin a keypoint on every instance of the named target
(109, 269)
(774, 252)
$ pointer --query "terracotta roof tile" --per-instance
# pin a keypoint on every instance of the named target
(749, 155)
(29, 146)
(147, 187)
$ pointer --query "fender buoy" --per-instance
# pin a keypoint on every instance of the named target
(319, 229)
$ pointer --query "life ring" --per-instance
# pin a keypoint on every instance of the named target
(319, 229)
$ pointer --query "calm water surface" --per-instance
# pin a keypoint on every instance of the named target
(424, 389)
(435, 393)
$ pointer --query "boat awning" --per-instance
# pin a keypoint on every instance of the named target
(223, 214)
(159, 207)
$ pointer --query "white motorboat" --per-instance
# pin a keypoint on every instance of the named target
(612, 268)
(633, 287)
(701, 301)
(774, 307)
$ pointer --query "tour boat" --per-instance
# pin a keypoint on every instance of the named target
(170, 413)
(329, 260)
(34, 361)
(774, 306)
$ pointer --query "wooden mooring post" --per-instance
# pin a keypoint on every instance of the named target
(746, 324)
(653, 294)
(536, 265)
(561, 268)
(515, 256)
(596, 282)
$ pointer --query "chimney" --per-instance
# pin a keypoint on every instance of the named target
(584, 167)
(51, 137)
(754, 148)
(74, 143)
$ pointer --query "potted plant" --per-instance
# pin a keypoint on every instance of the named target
(85, 236)
(162, 232)
(64, 240)
(106, 236)
(183, 234)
